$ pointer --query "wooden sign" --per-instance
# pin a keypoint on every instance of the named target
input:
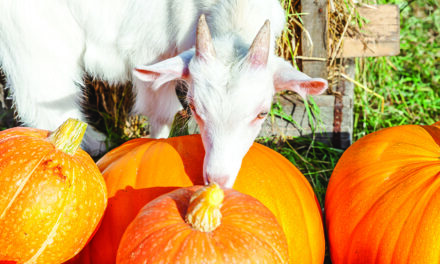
(381, 33)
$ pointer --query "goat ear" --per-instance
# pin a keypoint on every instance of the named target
(166, 70)
(288, 78)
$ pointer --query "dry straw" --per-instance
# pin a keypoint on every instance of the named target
(343, 21)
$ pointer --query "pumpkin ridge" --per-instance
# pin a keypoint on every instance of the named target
(82, 161)
(300, 185)
(410, 197)
(215, 245)
(183, 244)
(22, 132)
(268, 246)
(22, 185)
(300, 202)
(52, 233)
(271, 246)
(434, 131)
(386, 165)
(120, 151)
(232, 221)
(420, 216)
(180, 225)
(4, 139)
(111, 165)
(382, 196)
(247, 235)
(370, 209)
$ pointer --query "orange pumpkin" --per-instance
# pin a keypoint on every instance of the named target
(52, 194)
(383, 199)
(122, 208)
(141, 169)
(203, 225)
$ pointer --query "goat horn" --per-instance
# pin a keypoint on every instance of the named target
(259, 51)
(204, 46)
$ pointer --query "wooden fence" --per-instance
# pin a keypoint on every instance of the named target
(334, 123)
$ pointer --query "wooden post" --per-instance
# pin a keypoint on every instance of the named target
(314, 38)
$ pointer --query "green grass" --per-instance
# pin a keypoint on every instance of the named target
(410, 82)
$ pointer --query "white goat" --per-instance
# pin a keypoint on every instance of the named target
(47, 45)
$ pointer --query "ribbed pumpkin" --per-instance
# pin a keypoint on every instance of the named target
(204, 225)
(141, 169)
(52, 194)
(383, 198)
(123, 206)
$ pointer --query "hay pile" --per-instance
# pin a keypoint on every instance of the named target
(343, 21)
(107, 107)
(7, 118)
(2, 90)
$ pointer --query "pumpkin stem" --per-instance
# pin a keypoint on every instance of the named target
(68, 136)
(203, 212)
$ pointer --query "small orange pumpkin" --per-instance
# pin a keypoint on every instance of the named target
(203, 225)
(52, 194)
(383, 199)
(141, 169)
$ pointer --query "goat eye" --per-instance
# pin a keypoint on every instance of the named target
(261, 115)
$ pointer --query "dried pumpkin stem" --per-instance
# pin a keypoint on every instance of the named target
(203, 213)
(68, 136)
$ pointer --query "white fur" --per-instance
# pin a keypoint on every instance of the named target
(47, 45)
